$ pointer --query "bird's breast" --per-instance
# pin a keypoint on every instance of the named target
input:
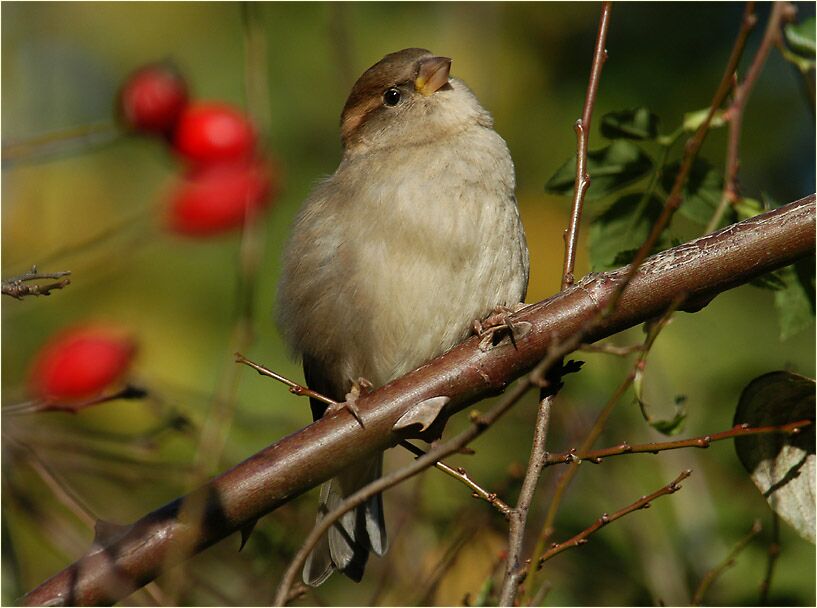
(425, 239)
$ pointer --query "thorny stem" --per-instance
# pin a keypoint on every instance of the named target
(457, 473)
(703, 441)
(642, 503)
(712, 575)
(781, 11)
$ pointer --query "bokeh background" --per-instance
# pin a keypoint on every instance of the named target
(93, 205)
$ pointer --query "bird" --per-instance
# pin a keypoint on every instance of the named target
(390, 259)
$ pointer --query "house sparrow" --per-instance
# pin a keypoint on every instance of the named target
(415, 235)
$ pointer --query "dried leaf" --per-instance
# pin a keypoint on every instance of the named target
(781, 465)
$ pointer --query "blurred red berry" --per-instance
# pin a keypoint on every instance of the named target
(216, 198)
(81, 363)
(213, 132)
(153, 97)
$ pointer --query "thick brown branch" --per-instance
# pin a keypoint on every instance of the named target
(702, 268)
(457, 473)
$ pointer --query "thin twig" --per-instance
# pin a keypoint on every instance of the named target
(58, 143)
(460, 474)
(781, 11)
(773, 552)
(541, 594)
(596, 430)
(641, 503)
(514, 573)
(294, 387)
(712, 575)
(256, 81)
(519, 515)
(341, 43)
(582, 183)
(17, 287)
(43, 405)
(703, 441)
(439, 569)
(58, 487)
(611, 349)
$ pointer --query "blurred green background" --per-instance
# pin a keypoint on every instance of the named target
(94, 207)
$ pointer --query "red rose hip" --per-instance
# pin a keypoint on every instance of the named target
(214, 199)
(152, 98)
(213, 132)
(81, 363)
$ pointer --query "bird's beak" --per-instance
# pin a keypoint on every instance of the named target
(433, 74)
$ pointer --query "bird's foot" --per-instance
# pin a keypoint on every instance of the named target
(493, 328)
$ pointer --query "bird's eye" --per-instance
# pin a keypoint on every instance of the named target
(391, 97)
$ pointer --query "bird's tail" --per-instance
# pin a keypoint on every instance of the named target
(347, 544)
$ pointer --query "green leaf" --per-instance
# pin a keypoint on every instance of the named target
(800, 38)
(670, 426)
(638, 123)
(617, 233)
(748, 207)
(674, 425)
(701, 193)
(781, 465)
(795, 302)
(611, 168)
(693, 120)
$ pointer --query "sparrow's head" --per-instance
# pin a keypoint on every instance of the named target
(407, 98)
